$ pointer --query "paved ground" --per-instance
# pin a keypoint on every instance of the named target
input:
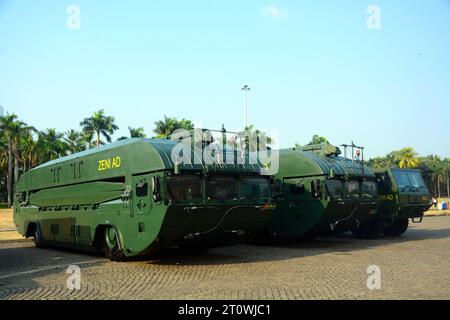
(414, 266)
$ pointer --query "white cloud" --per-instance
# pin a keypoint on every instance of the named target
(274, 12)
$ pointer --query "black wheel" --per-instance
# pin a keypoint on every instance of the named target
(111, 246)
(194, 249)
(309, 236)
(37, 238)
(398, 228)
(262, 238)
(369, 230)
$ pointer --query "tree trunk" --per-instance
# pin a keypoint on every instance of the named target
(16, 167)
(439, 187)
(448, 184)
(98, 138)
(10, 173)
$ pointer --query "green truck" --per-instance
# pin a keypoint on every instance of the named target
(129, 198)
(317, 191)
(403, 195)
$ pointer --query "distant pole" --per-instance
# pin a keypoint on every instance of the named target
(246, 89)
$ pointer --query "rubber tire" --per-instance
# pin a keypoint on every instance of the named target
(398, 228)
(37, 239)
(111, 245)
(371, 230)
(194, 250)
(309, 236)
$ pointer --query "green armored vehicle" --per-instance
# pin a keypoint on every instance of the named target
(318, 191)
(129, 198)
(403, 195)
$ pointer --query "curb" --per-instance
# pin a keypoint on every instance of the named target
(16, 240)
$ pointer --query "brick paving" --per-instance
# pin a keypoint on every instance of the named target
(414, 266)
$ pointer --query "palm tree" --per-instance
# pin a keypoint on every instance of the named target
(3, 165)
(407, 158)
(165, 128)
(99, 124)
(12, 129)
(447, 174)
(256, 140)
(51, 145)
(137, 132)
(134, 133)
(28, 148)
(431, 168)
(75, 141)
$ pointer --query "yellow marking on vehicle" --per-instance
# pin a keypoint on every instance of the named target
(107, 164)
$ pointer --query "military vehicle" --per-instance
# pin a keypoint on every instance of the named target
(318, 191)
(129, 198)
(403, 195)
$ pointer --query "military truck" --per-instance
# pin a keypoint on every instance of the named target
(403, 195)
(129, 198)
(317, 191)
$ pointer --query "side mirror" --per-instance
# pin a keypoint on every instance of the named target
(156, 189)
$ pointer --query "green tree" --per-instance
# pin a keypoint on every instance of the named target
(76, 141)
(407, 158)
(135, 133)
(12, 129)
(256, 140)
(51, 145)
(164, 128)
(28, 151)
(100, 125)
(316, 139)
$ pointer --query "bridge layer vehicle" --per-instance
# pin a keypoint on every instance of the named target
(317, 191)
(129, 198)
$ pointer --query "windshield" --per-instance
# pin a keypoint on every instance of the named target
(254, 188)
(181, 188)
(401, 177)
(416, 179)
(221, 188)
(351, 189)
(369, 189)
(408, 179)
(334, 188)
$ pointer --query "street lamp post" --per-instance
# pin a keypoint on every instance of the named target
(246, 89)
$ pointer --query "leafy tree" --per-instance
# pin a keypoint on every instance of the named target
(253, 137)
(135, 133)
(12, 129)
(75, 141)
(52, 145)
(100, 125)
(316, 139)
(406, 158)
(164, 128)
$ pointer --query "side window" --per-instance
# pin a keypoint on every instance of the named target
(142, 189)
(296, 189)
(316, 189)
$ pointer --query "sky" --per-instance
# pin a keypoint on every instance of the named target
(347, 70)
